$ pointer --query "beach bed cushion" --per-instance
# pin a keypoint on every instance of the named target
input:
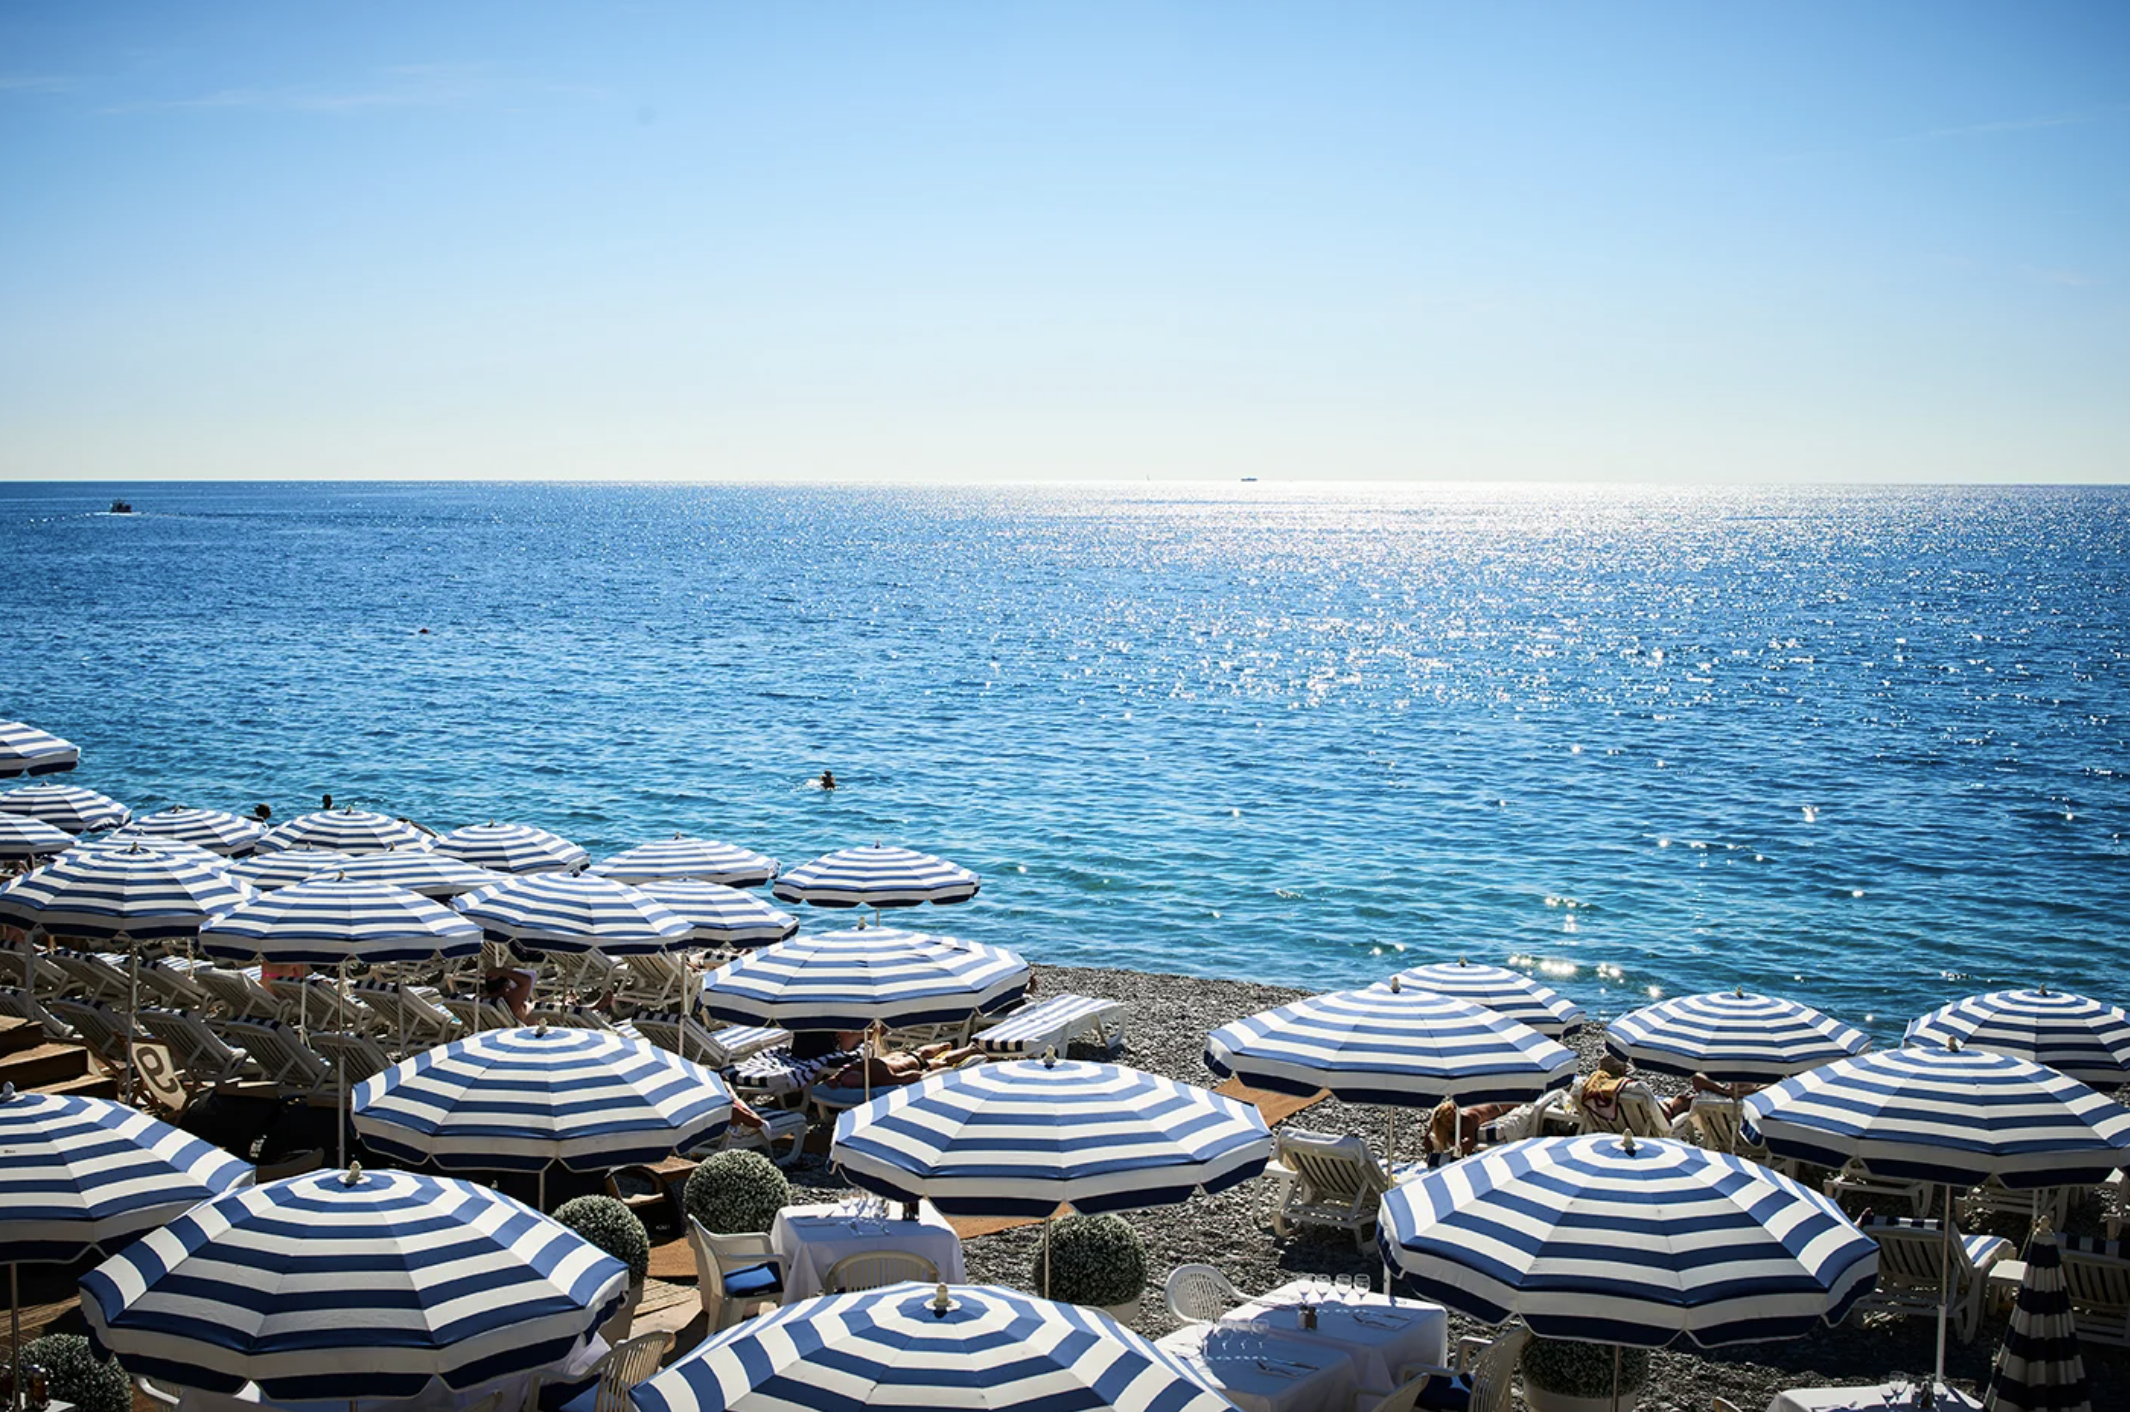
(1054, 1024)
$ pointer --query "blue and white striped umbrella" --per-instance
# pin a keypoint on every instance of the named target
(1626, 1241)
(1388, 1044)
(694, 859)
(846, 980)
(22, 837)
(329, 920)
(348, 830)
(2069, 1033)
(1018, 1139)
(573, 912)
(1509, 993)
(876, 877)
(26, 750)
(422, 870)
(136, 892)
(66, 806)
(517, 1100)
(982, 1349)
(266, 871)
(512, 848)
(215, 830)
(126, 839)
(1732, 1036)
(76, 1173)
(351, 1285)
(725, 916)
(1945, 1116)
(2039, 1367)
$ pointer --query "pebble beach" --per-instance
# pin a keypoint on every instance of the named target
(1232, 1230)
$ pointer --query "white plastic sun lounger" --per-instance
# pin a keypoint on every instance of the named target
(1055, 1023)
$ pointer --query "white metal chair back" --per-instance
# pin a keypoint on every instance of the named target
(873, 1269)
(625, 1365)
(1199, 1294)
(1489, 1364)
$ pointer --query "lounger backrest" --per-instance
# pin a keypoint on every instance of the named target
(90, 977)
(2096, 1272)
(354, 1055)
(281, 1052)
(198, 1047)
(1910, 1252)
(1335, 1168)
(244, 997)
(100, 1027)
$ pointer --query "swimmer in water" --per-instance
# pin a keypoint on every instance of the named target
(828, 779)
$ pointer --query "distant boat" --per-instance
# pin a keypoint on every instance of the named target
(1248, 479)
(121, 507)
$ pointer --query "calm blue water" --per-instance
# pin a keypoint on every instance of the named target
(1863, 747)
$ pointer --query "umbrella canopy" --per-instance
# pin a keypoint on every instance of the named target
(422, 870)
(124, 839)
(697, 859)
(348, 830)
(1508, 993)
(266, 871)
(26, 750)
(1017, 1139)
(23, 837)
(953, 1348)
(876, 877)
(2069, 1033)
(847, 980)
(77, 1173)
(517, 1100)
(137, 892)
(1624, 1241)
(2039, 1367)
(512, 848)
(575, 912)
(348, 1285)
(1387, 1044)
(1732, 1037)
(212, 829)
(329, 920)
(1945, 1116)
(725, 916)
(66, 806)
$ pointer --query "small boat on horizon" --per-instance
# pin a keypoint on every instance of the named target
(121, 507)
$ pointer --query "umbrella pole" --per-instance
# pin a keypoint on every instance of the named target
(14, 1334)
(1046, 1254)
(1944, 1288)
(542, 1198)
(1615, 1378)
(340, 1110)
(680, 1007)
(133, 1004)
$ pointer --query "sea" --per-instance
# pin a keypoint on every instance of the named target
(1868, 748)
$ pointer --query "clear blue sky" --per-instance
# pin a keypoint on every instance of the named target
(1702, 241)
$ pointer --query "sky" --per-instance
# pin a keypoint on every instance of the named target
(1047, 242)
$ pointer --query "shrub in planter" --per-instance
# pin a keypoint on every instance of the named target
(75, 1374)
(1572, 1368)
(733, 1192)
(612, 1227)
(1097, 1260)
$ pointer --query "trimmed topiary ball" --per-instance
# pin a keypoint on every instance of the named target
(612, 1227)
(73, 1373)
(1573, 1368)
(735, 1192)
(1095, 1260)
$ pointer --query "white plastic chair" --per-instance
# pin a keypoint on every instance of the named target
(876, 1269)
(1328, 1181)
(718, 1257)
(1910, 1256)
(1487, 1366)
(1199, 1294)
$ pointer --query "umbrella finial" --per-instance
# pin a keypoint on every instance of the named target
(1738, 991)
(353, 1175)
(1952, 1044)
(7, 1093)
(1050, 1057)
(540, 1029)
(1395, 987)
(1462, 962)
(941, 1303)
(1627, 1143)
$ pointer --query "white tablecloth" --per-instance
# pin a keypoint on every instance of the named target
(1285, 1375)
(1886, 1397)
(812, 1238)
(1377, 1334)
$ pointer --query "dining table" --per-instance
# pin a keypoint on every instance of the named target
(1879, 1397)
(1379, 1335)
(813, 1238)
(1263, 1372)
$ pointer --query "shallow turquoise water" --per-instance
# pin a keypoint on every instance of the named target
(1861, 747)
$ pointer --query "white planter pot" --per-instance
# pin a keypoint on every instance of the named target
(1126, 1313)
(1539, 1400)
